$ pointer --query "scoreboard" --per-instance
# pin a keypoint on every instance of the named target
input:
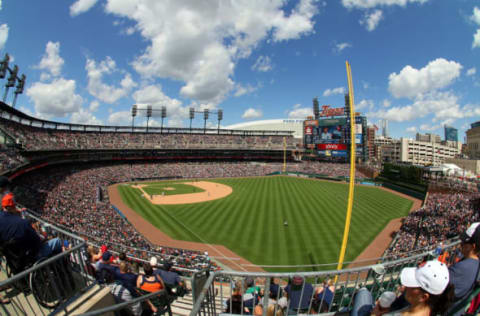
(330, 137)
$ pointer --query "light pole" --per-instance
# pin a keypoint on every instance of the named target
(192, 115)
(134, 113)
(205, 118)
(220, 117)
(149, 114)
(164, 115)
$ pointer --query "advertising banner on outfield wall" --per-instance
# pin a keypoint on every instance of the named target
(331, 146)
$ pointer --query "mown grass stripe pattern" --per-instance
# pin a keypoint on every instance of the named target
(250, 221)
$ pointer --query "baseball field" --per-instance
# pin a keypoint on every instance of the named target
(267, 220)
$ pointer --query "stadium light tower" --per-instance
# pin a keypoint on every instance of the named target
(10, 81)
(164, 115)
(316, 108)
(149, 114)
(220, 117)
(19, 89)
(205, 118)
(134, 113)
(192, 115)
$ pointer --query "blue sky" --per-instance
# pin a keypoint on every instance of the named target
(414, 62)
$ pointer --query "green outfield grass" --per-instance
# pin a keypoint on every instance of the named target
(178, 188)
(250, 221)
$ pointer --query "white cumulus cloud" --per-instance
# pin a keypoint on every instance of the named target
(3, 35)
(199, 43)
(299, 112)
(55, 99)
(372, 19)
(364, 105)
(341, 46)
(476, 15)
(120, 118)
(51, 62)
(84, 116)
(244, 89)
(81, 6)
(412, 82)
(442, 105)
(263, 64)
(367, 4)
(102, 91)
(476, 39)
(329, 92)
(252, 113)
(411, 129)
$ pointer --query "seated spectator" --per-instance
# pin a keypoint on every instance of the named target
(150, 283)
(299, 293)
(363, 303)
(234, 303)
(94, 255)
(8, 200)
(324, 296)
(19, 231)
(105, 272)
(427, 289)
(172, 280)
(126, 278)
(122, 294)
(464, 273)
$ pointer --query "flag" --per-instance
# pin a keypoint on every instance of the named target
(376, 127)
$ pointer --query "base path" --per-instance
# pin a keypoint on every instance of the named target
(212, 191)
(157, 237)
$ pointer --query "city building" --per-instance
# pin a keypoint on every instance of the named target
(431, 138)
(473, 141)
(371, 141)
(415, 152)
(451, 133)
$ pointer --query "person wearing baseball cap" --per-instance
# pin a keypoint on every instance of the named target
(463, 274)
(427, 288)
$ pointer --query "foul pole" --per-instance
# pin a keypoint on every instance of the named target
(351, 186)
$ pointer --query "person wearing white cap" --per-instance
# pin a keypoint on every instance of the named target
(427, 289)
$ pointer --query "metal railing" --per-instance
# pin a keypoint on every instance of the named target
(46, 286)
(235, 294)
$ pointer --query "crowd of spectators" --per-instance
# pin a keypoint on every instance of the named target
(443, 216)
(10, 159)
(36, 138)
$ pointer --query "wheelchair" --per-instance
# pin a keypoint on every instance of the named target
(45, 284)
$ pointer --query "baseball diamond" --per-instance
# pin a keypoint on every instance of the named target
(250, 220)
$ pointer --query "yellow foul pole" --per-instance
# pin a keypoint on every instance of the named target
(352, 169)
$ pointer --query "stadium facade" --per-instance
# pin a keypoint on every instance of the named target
(295, 125)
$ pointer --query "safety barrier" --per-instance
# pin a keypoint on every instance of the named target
(47, 286)
(224, 286)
